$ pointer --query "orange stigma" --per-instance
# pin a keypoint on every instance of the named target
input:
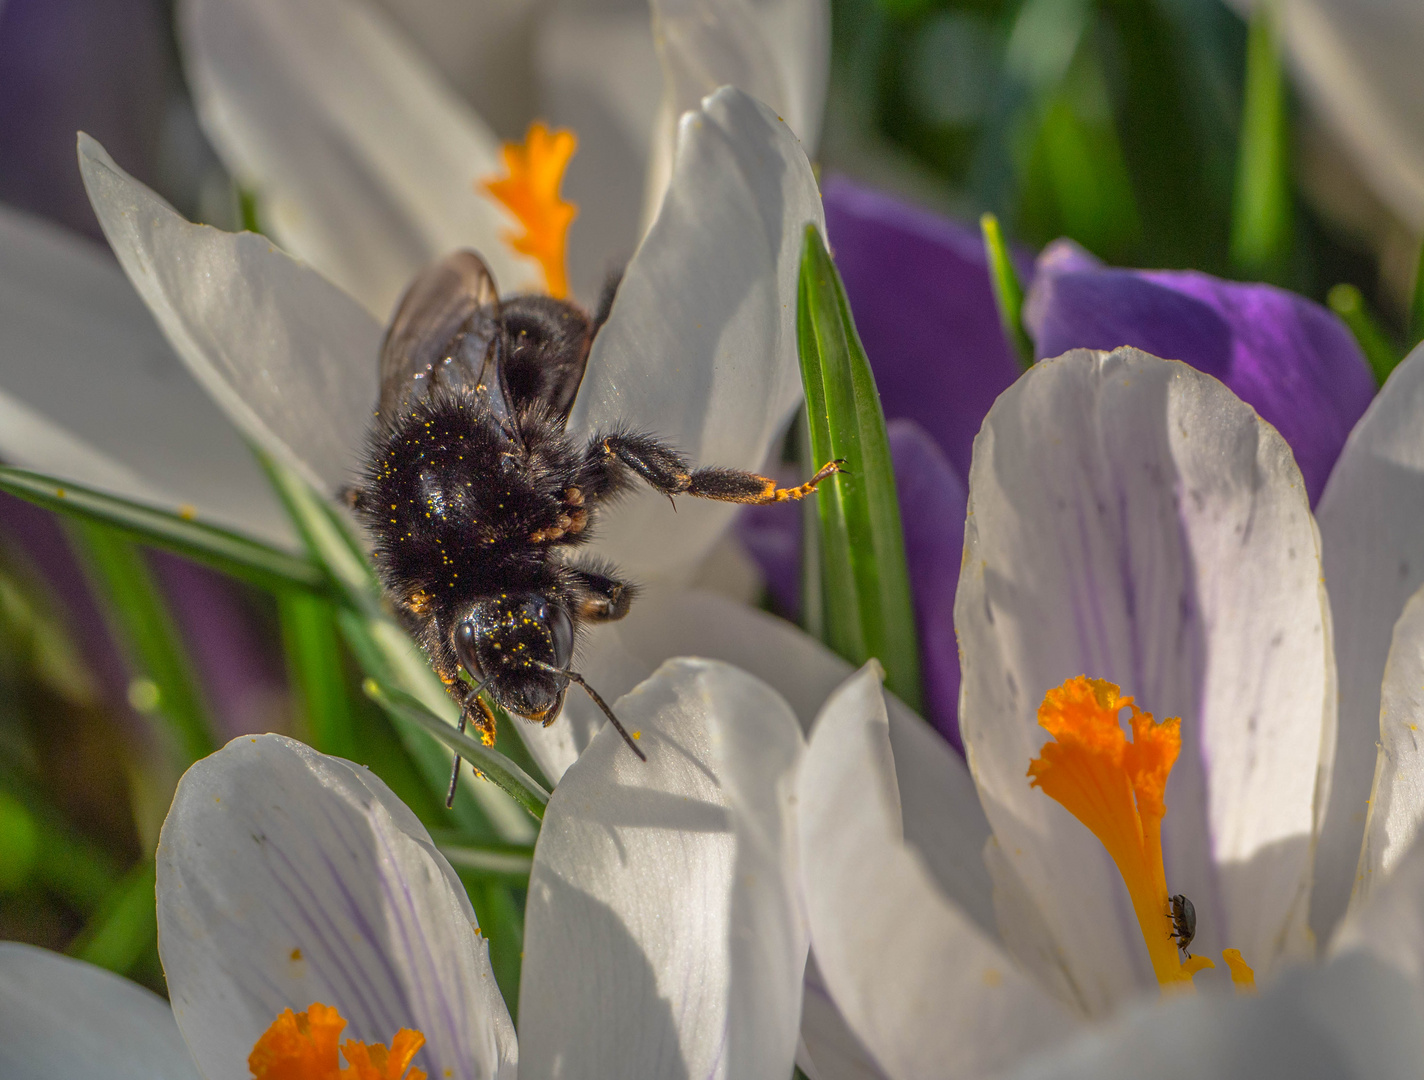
(531, 193)
(303, 1046)
(1116, 788)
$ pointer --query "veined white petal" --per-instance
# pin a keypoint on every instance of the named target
(1131, 519)
(364, 162)
(778, 51)
(482, 50)
(943, 819)
(90, 391)
(1352, 1020)
(598, 74)
(286, 877)
(701, 345)
(65, 1018)
(289, 357)
(924, 989)
(1372, 547)
(829, 1050)
(663, 935)
(1396, 804)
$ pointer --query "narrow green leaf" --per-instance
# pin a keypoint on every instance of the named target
(498, 769)
(166, 687)
(1347, 302)
(501, 908)
(243, 558)
(19, 844)
(501, 860)
(125, 928)
(73, 867)
(1008, 292)
(1261, 214)
(314, 663)
(864, 581)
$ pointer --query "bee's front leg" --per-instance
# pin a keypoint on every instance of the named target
(600, 598)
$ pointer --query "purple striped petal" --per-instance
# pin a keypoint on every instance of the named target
(287, 877)
(919, 288)
(1287, 356)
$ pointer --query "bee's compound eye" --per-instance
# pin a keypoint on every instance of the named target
(465, 638)
(561, 630)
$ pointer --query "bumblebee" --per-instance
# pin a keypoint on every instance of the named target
(474, 495)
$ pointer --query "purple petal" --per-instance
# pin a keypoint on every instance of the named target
(919, 290)
(67, 65)
(932, 500)
(932, 504)
(1283, 354)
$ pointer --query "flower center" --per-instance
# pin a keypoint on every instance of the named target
(531, 193)
(302, 1046)
(1115, 788)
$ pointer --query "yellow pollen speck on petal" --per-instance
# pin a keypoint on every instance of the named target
(1116, 788)
(531, 193)
(1241, 973)
(303, 1046)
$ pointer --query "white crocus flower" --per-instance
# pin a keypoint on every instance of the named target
(700, 344)
(663, 934)
(1130, 519)
(367, 163)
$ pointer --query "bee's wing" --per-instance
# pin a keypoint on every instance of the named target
(445, 334)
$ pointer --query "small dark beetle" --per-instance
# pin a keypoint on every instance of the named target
(1184, 922)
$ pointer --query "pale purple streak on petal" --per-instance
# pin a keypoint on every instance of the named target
(1287, 356)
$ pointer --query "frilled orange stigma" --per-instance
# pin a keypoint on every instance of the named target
(531, 193)
(303, 1046)
(1116, 788)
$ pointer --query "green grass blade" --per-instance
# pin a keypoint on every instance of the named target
(1008, 292)
(1261, 214)
(864, 581)
(126, 928)
(489, 860)
(315, 665)
(145, 627)
(1416, 305)
(243, 558)
(498, 769)
(1347, 302)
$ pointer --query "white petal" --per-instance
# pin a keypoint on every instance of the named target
(65, 1018)
(663, 935)
(943, 819)
(92, 393)
(778, 51)
(701, 345)
(286, 877)
(1372, 546)
(364, 162)
(1396, 804)
(599, 75)
(1353, 1020)
(290, 358)
(483, 51)
(1131, 519)
(829, 1049)
(1389, 924)
(924, 989)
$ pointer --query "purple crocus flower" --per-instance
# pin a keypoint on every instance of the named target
(1286, 356)
(919, 289)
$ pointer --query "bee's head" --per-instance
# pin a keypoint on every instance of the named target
(518, 644)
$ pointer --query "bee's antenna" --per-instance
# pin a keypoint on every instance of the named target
(455, 768)
(591, 692)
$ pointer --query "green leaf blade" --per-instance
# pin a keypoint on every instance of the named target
(865, 583)
(243, 558)
(1261, 228)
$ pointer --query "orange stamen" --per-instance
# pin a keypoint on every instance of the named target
(302, 1046)
(1116, 788)
(531, 193)
(1241, 973)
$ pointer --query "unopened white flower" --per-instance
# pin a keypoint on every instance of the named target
(663, 934)
(1132, 521)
